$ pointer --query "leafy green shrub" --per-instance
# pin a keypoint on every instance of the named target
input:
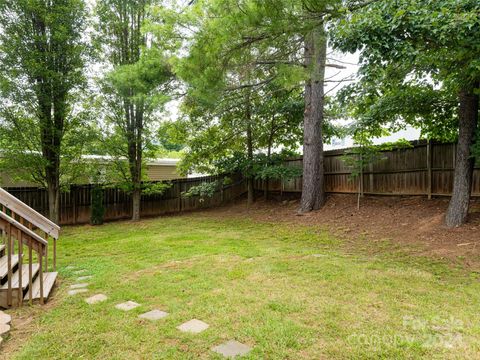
(279, 172)
(155, 188)
(98, 208)
(203, 191)
(227, 181)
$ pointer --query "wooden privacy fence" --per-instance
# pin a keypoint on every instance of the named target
(423, 169)
(426, 168)
(75, 204)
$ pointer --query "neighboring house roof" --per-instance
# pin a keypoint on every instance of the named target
(165, 162)
(158, 161)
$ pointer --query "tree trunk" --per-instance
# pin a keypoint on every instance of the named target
(134, 117)
(250, 187)
(313, 192)
(269, 154)
(54, 202)
(51, 130)
(266, 182)
(51, 152)
(136, 196)
(136, 174)
(265, 191)
(250, 190)
(468, 118)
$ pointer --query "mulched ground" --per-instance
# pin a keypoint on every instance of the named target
(414, 223)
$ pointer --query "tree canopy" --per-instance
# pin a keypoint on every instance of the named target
(42, 57)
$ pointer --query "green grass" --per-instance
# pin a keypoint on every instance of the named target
(257, 283)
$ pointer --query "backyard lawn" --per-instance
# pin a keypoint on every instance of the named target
(288, 292)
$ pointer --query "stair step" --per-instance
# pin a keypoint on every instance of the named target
(2, 247)
(15, 277)
(49, 279)
(4, 265)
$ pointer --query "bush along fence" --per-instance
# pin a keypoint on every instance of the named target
(94, 203)
(422, 168)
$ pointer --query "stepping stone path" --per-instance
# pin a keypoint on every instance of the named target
(193, 326)
(78, 286)
(5, 318)
(127, 306)
(231, 349)
(76, 291)
(96, 299)
(153, 315)
(83, 278)
(4, 329)
(5, 321)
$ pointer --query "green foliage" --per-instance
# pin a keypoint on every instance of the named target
(134, 91)
(365, 153)
(43, 127)
(279, 172)
(358, 158)
(98, 208)
(261, 166)
(203, 191)
(415, 56)
(245, 73)
(169, 137)
(146, 187)
(274, 123)
(233, 103)
(155, 188)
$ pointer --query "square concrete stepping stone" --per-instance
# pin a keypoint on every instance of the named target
(4, 329)
(153, 315)
(193, 326)
(76, 291)
(232, 349)
(78, 272)
(96, 299)
(78, 286)
(83, 278)
(127, 306)
(5, 318)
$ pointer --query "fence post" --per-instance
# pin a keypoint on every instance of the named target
(429, 169)
(361, 176)
(222, 195)
(371, 177)
(74, 203)
(180, 195)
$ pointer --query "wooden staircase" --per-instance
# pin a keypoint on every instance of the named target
(25, 236)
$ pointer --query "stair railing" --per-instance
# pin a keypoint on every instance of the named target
(23, 226)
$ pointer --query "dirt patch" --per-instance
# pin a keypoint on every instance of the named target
(25, 323)
(414, 223)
